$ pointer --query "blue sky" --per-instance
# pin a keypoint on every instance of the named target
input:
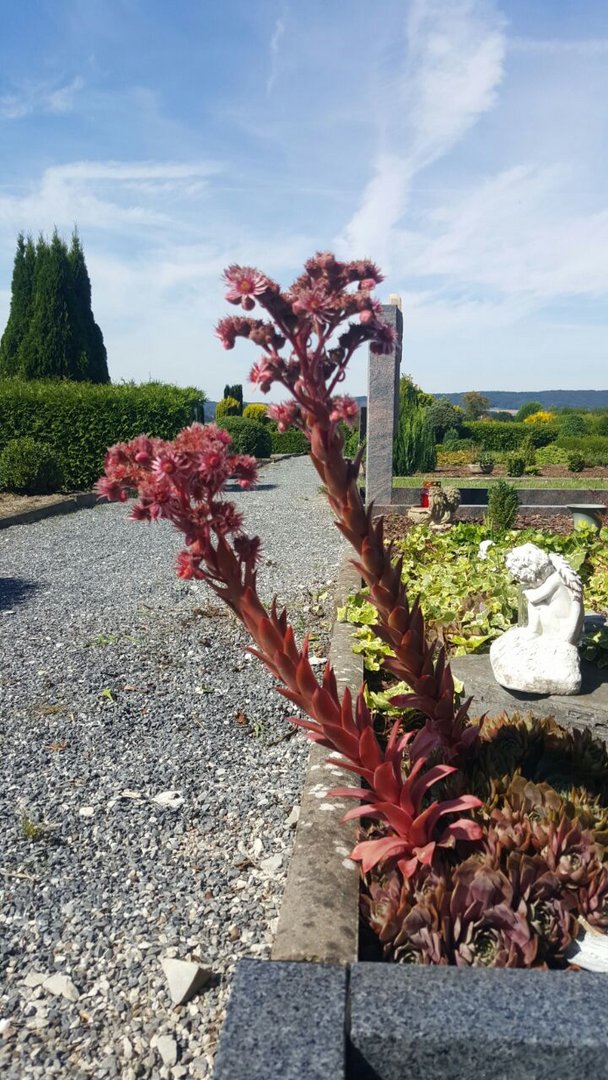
(462, 144)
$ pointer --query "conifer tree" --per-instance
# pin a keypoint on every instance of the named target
(22, 288)
(51, 332)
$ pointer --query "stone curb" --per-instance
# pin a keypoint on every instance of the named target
(81, 501)
(319, 917)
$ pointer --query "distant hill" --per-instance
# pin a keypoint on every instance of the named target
(512, 399)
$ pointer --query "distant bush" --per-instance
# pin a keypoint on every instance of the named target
(599, 424)
(79, 420)
(551, 455)
(236, 392)
(451, 437)
(576, 461)
(228, 406)
(414, 445)
(289, 442)
(256, 411)
(492, 435)
(248, 437)
(516, 465)
(443, 417)
(503, 505)
(527, 409)
(594, 448)
(502, 417)
(448, 459)
(543, 416)
(28, 467)
(573, 424)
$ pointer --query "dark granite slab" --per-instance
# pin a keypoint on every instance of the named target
(285, 1021)
(421, 1023)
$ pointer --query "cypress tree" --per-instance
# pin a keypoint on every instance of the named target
(414, 444)
(47, 350)
(22, 288)
(91, 351)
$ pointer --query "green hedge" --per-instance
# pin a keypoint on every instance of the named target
(248, 437)
(29, 467)
(494, 435)
(79, 421)
(289, 442)
(594, 448)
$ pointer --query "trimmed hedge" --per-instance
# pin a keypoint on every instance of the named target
(289, 442)
(494, 435)
(248, 437)
(79, 421)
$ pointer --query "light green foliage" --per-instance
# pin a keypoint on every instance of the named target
(576, 461)
(236, 392)
(28, 467)
(503, 505)
(468, 601)
(594, 448)
(551, 455)
(228, 406)
(414, 445)
(256, 411)
(595, 647)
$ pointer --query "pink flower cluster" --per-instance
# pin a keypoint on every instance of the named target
(181, 481)
(309, 316)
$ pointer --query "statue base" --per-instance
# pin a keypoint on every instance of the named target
(535, 664)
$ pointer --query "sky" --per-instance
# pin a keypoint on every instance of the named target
(461, 144)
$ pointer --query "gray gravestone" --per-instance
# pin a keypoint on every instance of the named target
(382, 414)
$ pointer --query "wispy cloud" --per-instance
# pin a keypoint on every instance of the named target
(452, 67)
(275, 40)
(40, 98)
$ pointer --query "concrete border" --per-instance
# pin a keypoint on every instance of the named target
(80, 501)
(319, 917)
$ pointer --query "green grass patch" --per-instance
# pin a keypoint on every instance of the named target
(587, 483)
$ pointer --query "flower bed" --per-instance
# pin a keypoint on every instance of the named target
(481, 846)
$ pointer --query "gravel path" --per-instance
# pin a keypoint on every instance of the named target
(119, 683)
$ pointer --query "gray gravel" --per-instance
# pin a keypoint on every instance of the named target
(119, 683)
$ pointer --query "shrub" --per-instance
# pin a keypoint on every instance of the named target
(451, 437)
(443, 418)
(573, 424)
(515, 465)
(551, 455)
(235, 391)
(414, 446)
(492, 435)
(503, 505)
(448, 459)
(600, 424)
(527, 409)
(289, 442)
(576, 461)
(528, 452)
(248, 437)
(29, 467)
(351, 439)
(594, 448)
(256, 411)
(228, 406)
(80, 420)
(485, 458)
(540, 417)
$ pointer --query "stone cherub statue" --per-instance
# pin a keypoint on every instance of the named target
(542, 657)
(443, 504)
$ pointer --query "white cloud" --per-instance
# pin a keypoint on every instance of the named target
(40, 98)
(560, 46)
(275, 40)
(454, 62)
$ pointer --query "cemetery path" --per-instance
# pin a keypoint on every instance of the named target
(120, 683)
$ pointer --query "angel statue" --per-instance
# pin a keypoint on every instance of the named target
(542, 657)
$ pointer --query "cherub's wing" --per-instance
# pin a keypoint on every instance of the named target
(569, 577)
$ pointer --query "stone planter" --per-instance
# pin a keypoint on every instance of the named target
(480, 470)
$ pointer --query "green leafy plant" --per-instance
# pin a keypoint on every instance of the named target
(228, 406)
(503, 505)
(28, 467)
(487, 460)
(414, 446)
(573, 424)
(516, 465)
(256, 411)
(288, 442)
(248, 437)
(576, 461)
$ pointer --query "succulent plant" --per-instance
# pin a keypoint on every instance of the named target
(483, 927)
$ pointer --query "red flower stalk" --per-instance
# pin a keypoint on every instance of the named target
(182, 481)
(308, 316)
